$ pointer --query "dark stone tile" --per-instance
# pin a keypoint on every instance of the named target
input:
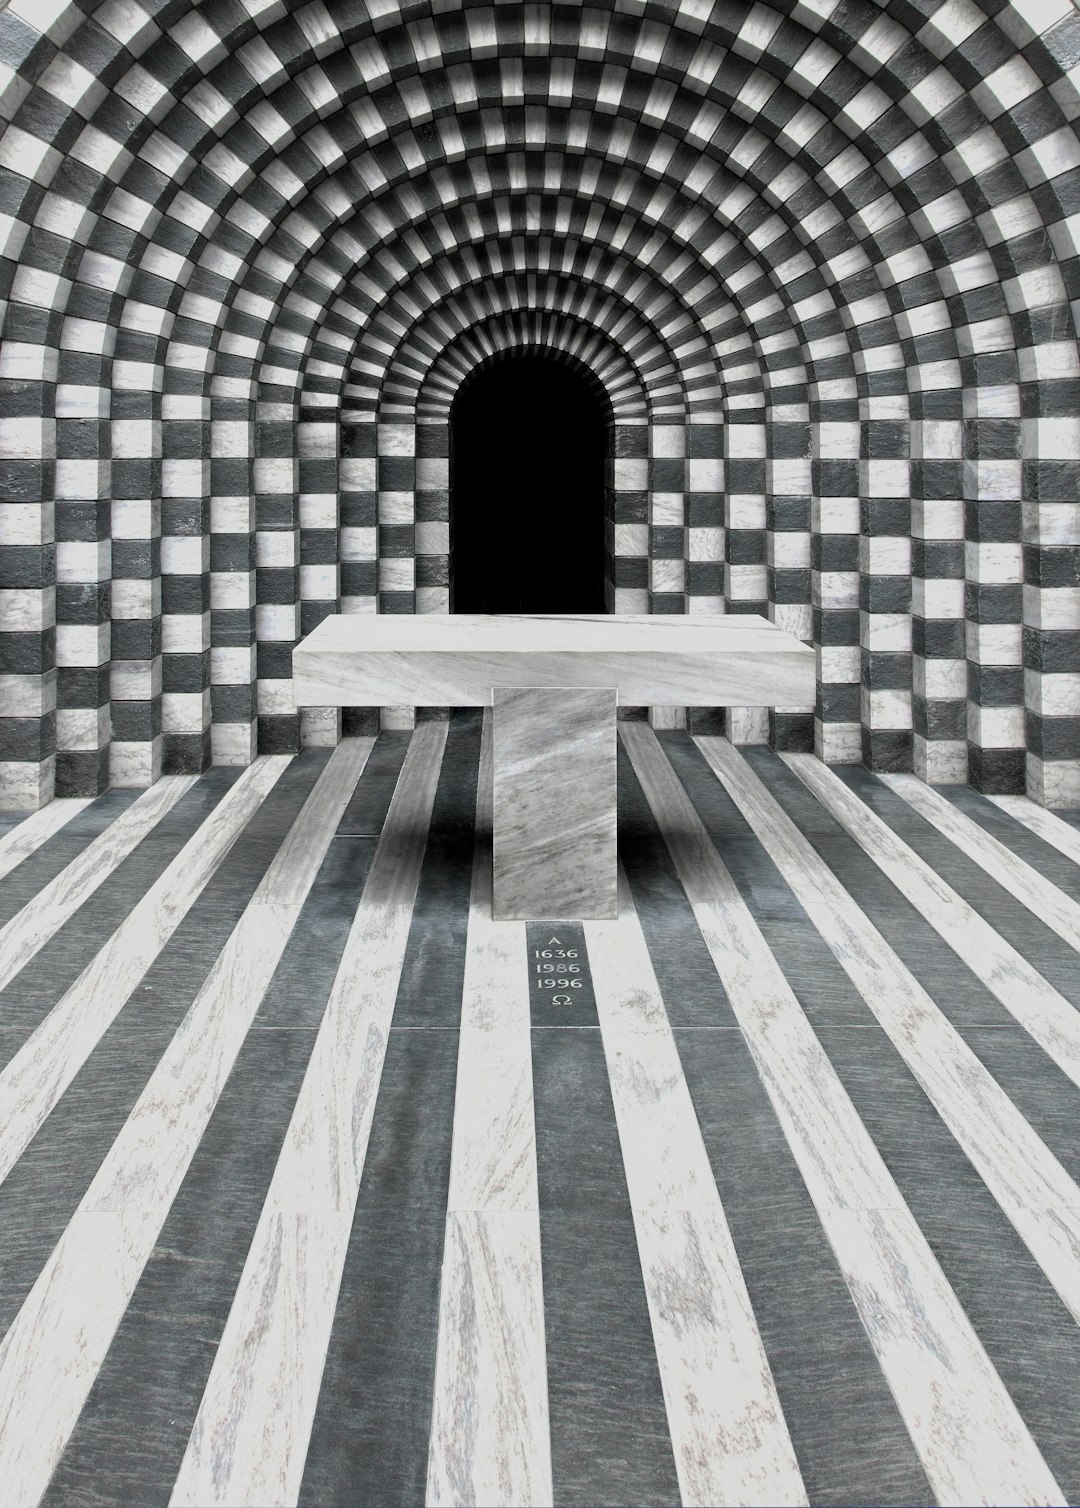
(578, 1157)
(608, 1427)
(810, 967)
(960, 996)
(560, 985)
(46, 977)
(43, 1190)
(429, 992)
(760, 883)
(366, 812)
(301, 986)
(45, 1186)
(804, 808)
(408, 1158)
(369, 1442)
(609, 1435)
(692, 992)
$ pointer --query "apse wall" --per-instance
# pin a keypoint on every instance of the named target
(821, 257)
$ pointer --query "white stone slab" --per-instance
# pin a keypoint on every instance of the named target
(428, 659)
(554, 809)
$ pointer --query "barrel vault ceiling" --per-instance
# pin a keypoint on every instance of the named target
(821, 256)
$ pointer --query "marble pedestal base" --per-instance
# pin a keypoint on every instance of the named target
(554, 803)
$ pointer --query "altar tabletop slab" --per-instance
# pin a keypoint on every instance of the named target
(431, 659)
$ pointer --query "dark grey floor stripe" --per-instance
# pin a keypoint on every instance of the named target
(1042, 856)
(848, 1437)
(693, 995)
(130, 1438)
(8, 820)
(366, 812)
(369, 1442)
(560, 985)
(441, 916)
(1026, 932)
(609, 1434)
(35, 989)
(44, 1188)
(57, 852)
(1027, 1331)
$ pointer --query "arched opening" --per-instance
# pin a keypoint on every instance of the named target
(528, 441)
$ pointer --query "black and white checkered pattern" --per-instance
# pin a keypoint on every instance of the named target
(820, 259)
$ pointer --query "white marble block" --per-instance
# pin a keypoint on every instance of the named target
(554, 802)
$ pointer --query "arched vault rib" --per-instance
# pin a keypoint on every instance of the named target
(485, 295)
(715, 86)
(874, 212)
(478, 223)
(661, 319)
(730, 260)
(756, 74)
(623, 383)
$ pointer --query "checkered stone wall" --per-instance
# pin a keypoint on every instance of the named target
(821, 260)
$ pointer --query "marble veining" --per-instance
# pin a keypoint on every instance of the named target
(1058, 910)
(56, 1337)
(1042, 823)
(669, 1245)
(489, 1434)
(554, 805)
(1026, 1179)
(711, 660)
(27, 836)
(970, 1436)
(41, 1070)
(1041, 1010)
(489, 1423)
(727, 1429)
(250, 1438)
(43, 916)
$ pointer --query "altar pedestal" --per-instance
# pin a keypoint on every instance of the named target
(554, 802)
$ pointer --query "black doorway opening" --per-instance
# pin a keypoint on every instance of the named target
(528, 436)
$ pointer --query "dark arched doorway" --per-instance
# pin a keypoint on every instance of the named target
(528, 440)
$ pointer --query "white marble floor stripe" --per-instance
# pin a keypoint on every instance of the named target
(27, 836)
(1029, 1183)
(490, 1429)
(42, 917)
(52, 1055)
(251, 1433)
(1040, 1009)
(1033, 890)
(58, 1342)
(730, 1441)
(1051, 829)
(971, 1439)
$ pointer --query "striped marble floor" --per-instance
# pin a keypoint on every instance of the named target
(318, 1186)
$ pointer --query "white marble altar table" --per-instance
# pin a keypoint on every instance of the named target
(554, 683)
